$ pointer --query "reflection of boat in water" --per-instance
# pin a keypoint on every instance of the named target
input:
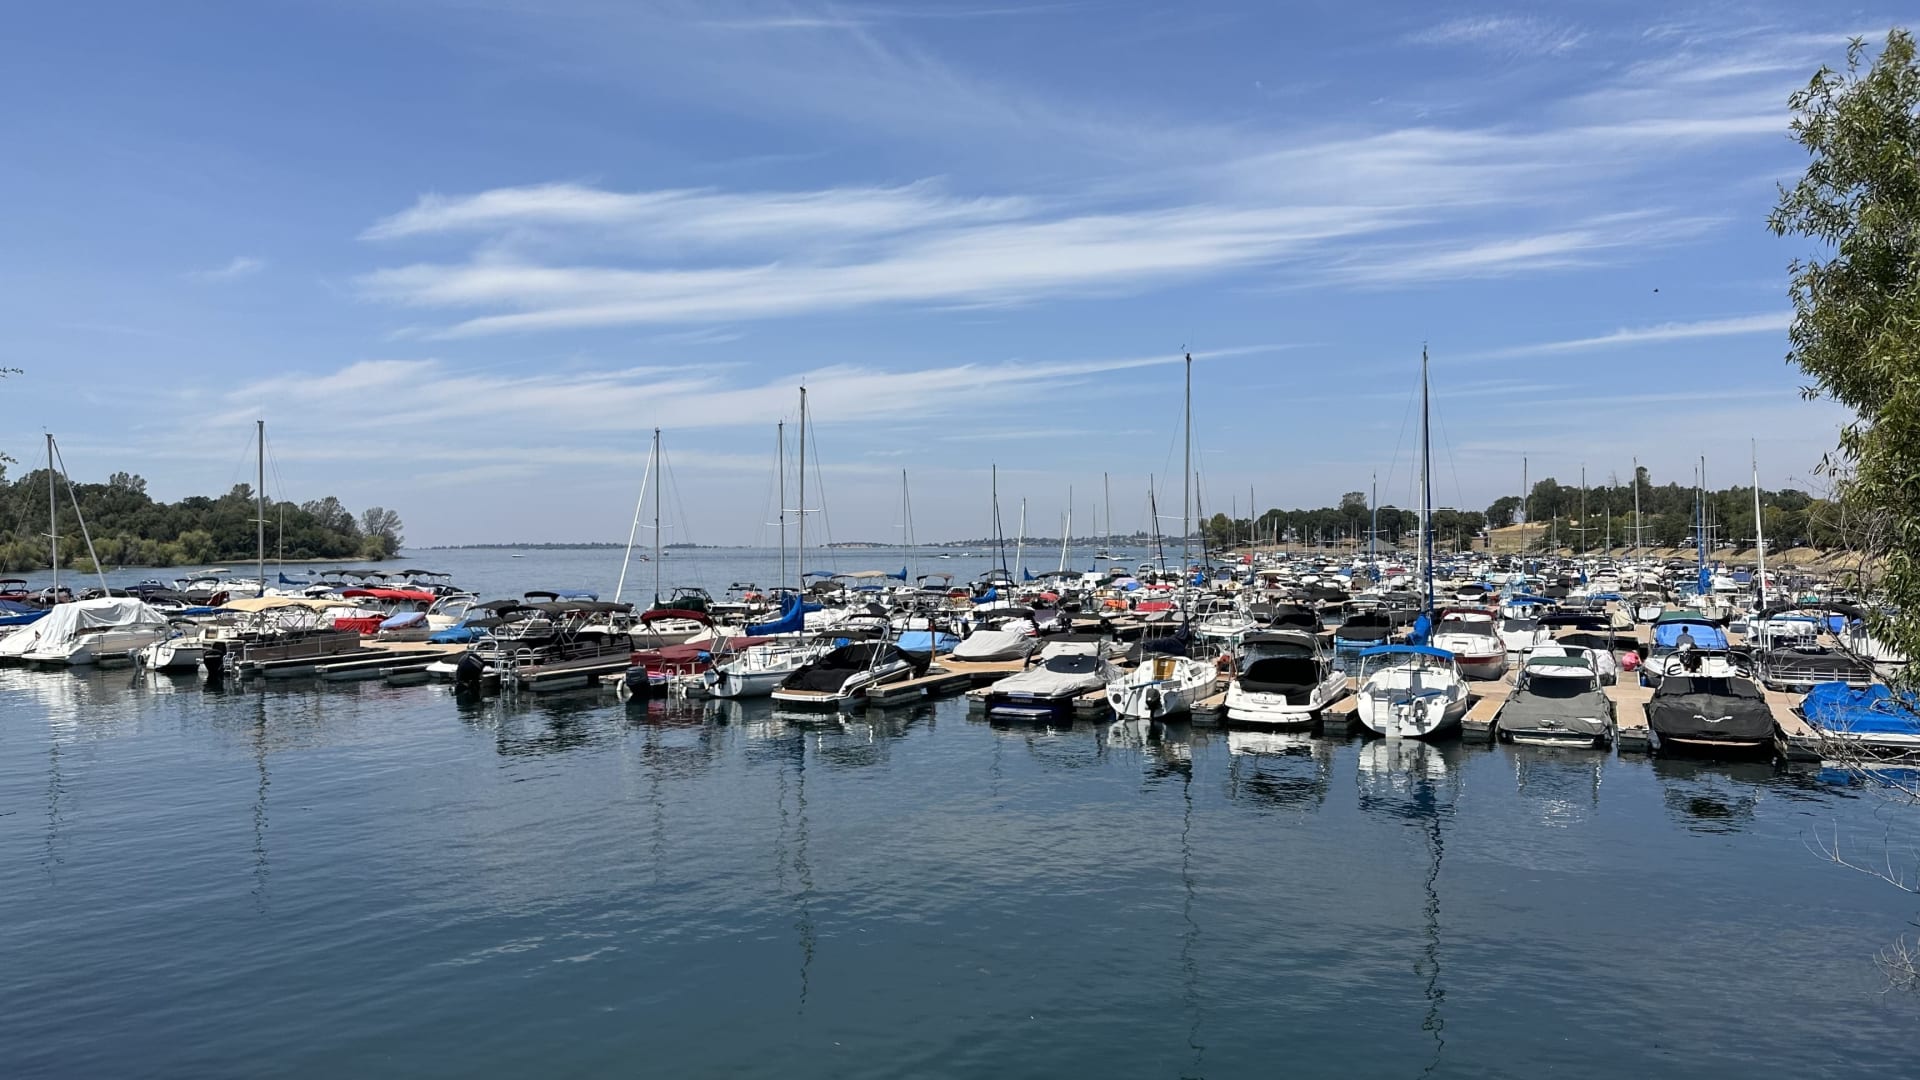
(1712, 797)
(1561, 783)
(1415, 781)
(1278, 768)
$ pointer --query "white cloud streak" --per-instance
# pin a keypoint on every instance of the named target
(1771, 323)
(240, 266)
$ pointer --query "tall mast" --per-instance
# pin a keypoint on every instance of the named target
(1583, 510)
(1759, 526)
(800, 543)
(1186, 472)
(780, 467)
(1153, 523)
(53, 520)
(260, 506)
(999, 534)
(1636, 507)
(1106, 496)
(1426, 485)
(659, 466)
(1373, 530)
(1066, 531)
(1020, 543)
(906, 527)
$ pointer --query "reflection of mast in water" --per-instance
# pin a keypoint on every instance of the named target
(802, 869)
(55, 786)
(1189, 968)
(260, 867)
(1430, 962)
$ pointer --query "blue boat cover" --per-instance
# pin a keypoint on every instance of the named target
(1874, 710)
(1406, 650)
(402, 620)
(455, 635)
(792, 620)
(1705, 634)
(923, 641)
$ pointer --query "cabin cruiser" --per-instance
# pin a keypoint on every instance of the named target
(845, 674)
(1046, 691)
(1687, 643)
(1519, 626)
(87, 632)
(1471, 635)
(1161, 686)
(1285, 678)
(1410, 691)
(179, 651)
(1363, 629)
(993, 646)
(1557, 700)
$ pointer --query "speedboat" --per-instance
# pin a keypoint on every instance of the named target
(1047, 690)
(848, 672)
(1557, 701)
(178, 651)
(1474, 640)
(1161, 686)
(1285, 679)
(758, 670)
(1520, 628)
(1687, 643)
(1709, 715)
(1410, 692)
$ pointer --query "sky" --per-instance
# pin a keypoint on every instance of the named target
(463, 256)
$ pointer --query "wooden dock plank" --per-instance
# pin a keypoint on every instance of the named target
(1630, 714)
(1487, 699)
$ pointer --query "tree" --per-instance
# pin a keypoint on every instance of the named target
(1856, 324)
(1503, 511)
(382, 525)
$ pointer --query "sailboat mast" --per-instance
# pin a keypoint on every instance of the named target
(780, 467)
(1153, 523)
(1020, 543)
(1106, 496)
(659, 466)
(1373, 531)
(1426, 484)
(1759, 525)
(53, 520)
(1583, 510)
(1066, 531)
(906, 528)
(800, 543)
(1186, 472)
(260, 505)
(1636, 507)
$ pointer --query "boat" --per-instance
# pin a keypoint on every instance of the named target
(83, 632)
(995, 646)
(1557, 700)
(1410, 692)
(1161, 686)
(1709, 715)
(845, 674)
(1474, 639)
(1520, 628)
(1686, 642)
(1285, 678)
(1855, 722)
(1047, 690)
(177, 652)
(758, 670)
(552, 645)
(1416, 690)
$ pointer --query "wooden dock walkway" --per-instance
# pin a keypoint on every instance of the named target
(1794, 738)
(1630, 715)
(1486, 700)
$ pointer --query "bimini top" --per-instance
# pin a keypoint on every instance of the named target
(1706, 635)
(1406, 650)
(1688, 615)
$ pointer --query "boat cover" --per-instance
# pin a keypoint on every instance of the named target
(1059, 677)
(926, 642)
(63, 621)
(1708, 709)
(1876, 710)
(831, 672)
(1705, 634)
(1294, 676)
(1558, 705)
(985, 645)
(792, 620)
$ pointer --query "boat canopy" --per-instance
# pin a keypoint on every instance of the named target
(657, 614)
(417, 595)
(1705, 635)
(252, 604)
(1875, 710)
(1406, 650)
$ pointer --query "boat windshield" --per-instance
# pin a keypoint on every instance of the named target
(1513, 624)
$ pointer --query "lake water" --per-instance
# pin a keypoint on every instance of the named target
(370, 881)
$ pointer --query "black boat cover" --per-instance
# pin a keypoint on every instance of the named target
(1702, 709)
(831, 672)
(1294, 676)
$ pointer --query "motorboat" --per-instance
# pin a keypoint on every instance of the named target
(1161, 686)
(843, 675)
(1519, 626)
(1688, 643)
(1473, 638)
(179, 651)
(1410, 692)
(995, 646)
(1285, 678)
(84, 632)
(758, 670)
(1557, 700)
(1048, 689)
(1709, 715)
(1863, 722)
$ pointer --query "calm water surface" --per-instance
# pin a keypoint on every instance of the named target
(368, 881)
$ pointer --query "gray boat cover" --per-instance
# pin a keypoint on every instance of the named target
(1059, 677)
(986, 645)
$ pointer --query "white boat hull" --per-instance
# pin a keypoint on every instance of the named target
(110, 645)
(1273, 710)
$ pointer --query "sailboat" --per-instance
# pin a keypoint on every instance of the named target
(760, 668)
(1415, 691)
(1168, 685)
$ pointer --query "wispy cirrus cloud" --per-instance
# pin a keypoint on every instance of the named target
(1769, 323)
(1509, 34)
(240, 266)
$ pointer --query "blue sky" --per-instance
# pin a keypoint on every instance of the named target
(463, 255)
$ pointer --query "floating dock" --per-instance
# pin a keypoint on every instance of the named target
(1485, 701)
(1630, 715)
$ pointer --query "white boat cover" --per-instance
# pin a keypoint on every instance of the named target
(986, 645)
(65, 620)
(1059, 677)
